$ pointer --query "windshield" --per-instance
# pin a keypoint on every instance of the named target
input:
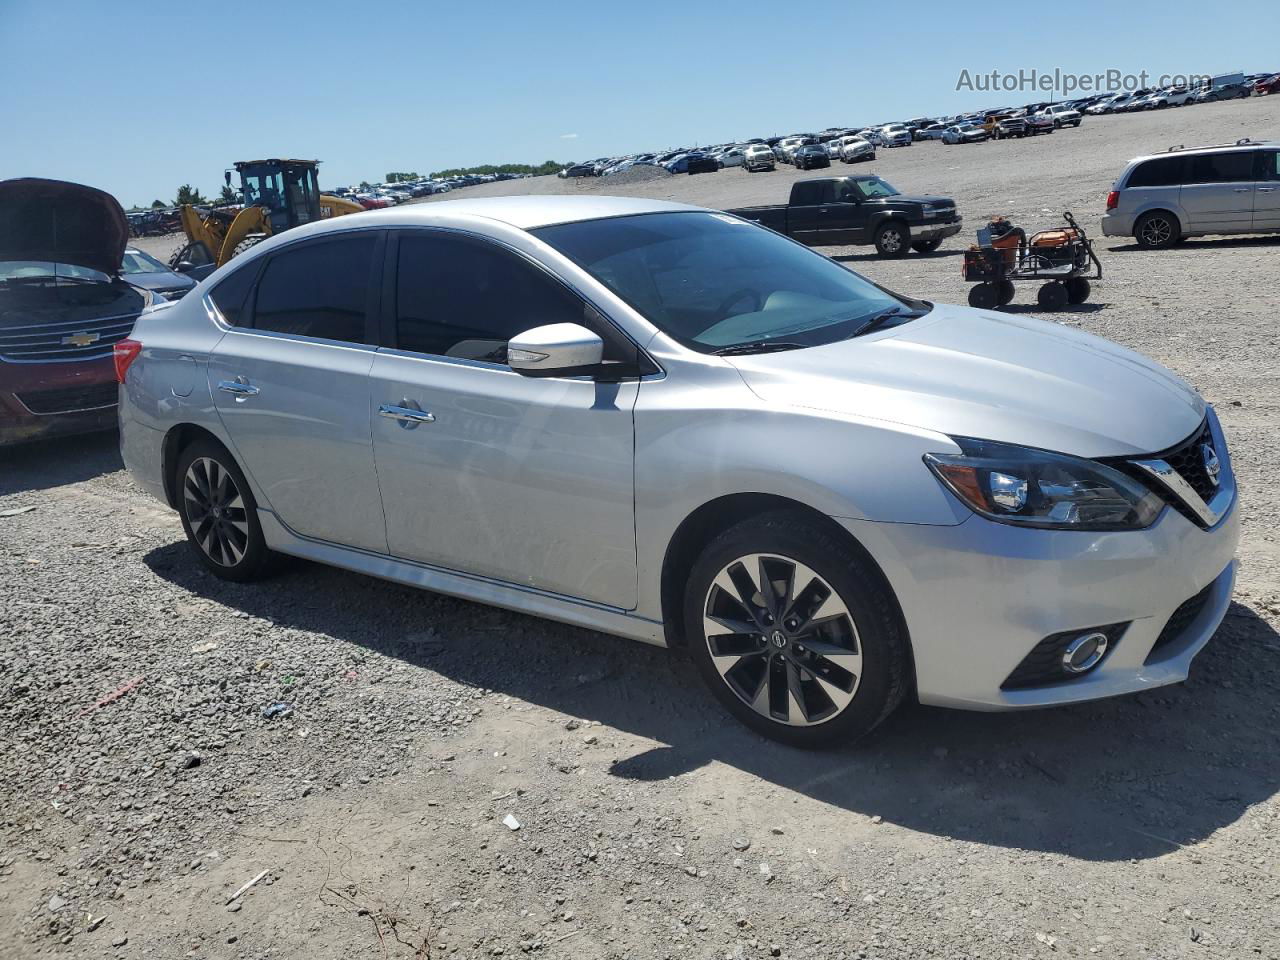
(873, 187)
(47, 270)
(135, 261)
(712, 281)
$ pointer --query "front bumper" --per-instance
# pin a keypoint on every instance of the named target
(42, 400)
(936, 231)
(977, 597)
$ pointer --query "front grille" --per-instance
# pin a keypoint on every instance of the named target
(70, 399)
(1187, 459)
(64, 340)
(1178, 623)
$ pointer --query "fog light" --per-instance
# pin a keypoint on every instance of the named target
(1084, 652)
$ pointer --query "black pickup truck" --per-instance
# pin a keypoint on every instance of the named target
(838, 211)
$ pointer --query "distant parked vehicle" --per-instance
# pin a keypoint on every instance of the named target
(1062, 115)
(733, 157)
(1267, 85)
(811, 156)
(1003, 126)
(1106, 104)
(1226, 91)
(143, 270)
(1038, 123)
(855, 149)
(964, 133)
(859, 210)
(694, 162)
(933, 132)
(577, 170)
(1161, 199)
(758, 156)
(896, 135)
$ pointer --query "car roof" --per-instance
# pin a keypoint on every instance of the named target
(1245, 144)
(522, 212)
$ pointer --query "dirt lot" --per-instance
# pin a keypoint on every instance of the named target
(650, 826)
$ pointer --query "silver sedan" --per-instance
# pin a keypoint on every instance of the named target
(673, 425)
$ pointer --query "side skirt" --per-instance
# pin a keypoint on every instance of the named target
(466, 586)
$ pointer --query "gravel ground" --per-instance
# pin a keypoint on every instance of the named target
(142, 783)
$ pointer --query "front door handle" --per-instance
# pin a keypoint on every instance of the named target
(404, 414)
(1242, 189)
(240, 388)
(1265, 189)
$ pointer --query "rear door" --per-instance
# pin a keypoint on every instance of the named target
(841, 219)
(290, 381)
(1266, 199)
(524, 480)
(804, 221)
(1218, 191)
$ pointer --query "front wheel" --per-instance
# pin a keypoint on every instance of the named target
(794, 632)
(219, 514)
(892, 240)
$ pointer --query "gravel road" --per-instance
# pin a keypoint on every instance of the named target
(447, 780)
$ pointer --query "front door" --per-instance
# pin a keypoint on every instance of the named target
(1217, 192)
(528, 481)
(290, 381)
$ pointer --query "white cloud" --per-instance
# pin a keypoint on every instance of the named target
(568, 136)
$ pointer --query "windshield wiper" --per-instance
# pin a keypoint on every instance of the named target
(757, 346)
(879, 319)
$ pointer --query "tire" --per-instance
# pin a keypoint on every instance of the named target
(1078, 290)
(1156, 230)
(229, 544)
(1004, 292)
(926, 246)
(248, 243)
(892, 240)
(984, 296)
(1052, 296)
(801, 697)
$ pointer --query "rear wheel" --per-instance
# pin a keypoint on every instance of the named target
(219, 514)
(1156, 230)
(1004, 292)
(984, 296)
(1052, 296)
(892, 239)
(1078, 290)
(794, 632)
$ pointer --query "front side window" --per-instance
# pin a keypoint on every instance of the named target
(457, 297)
(318, 289)
(873, 187)
(712, 281)
(1220, 167)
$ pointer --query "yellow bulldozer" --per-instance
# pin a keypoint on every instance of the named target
(274, 194)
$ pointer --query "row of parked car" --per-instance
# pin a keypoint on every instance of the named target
(389, 194)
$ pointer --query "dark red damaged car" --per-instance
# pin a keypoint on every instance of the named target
(63, 306)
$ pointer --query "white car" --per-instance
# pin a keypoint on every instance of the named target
(758, 156)
(733, 157)
(1106, 104)
(853, 149)
(1061, 115)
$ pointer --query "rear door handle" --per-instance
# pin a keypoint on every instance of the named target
(1265, 189)
(240, 388)
(406, 415)
(1242, 189)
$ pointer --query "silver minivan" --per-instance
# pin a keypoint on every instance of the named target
(1162, 199)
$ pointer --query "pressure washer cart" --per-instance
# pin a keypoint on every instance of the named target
(1062, 260)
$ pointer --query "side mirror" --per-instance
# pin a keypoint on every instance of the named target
(555, 350)
(185, 266)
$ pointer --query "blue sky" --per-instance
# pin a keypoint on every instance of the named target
(139, 98)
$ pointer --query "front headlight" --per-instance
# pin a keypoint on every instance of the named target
(1036, 488)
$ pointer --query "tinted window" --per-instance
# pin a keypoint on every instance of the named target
(1161, 172)
(318, 289)
(465, 298)
(1220, 167)
(232, 294)
(808, 192)
(1270, 165)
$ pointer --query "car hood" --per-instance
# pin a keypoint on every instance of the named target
(60, 222)
(993, 376)
(161, 280)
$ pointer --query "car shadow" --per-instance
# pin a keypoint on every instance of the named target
(59, 461)
(860, 257)
(1037, 309)
(1198, 244)
(1128, 778)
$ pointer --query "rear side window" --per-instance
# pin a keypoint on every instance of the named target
(808, 192)
(232, 294)
(1270, 168)
(1160, 172)
(318, 289)
(1220, 167)
(465, 298)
